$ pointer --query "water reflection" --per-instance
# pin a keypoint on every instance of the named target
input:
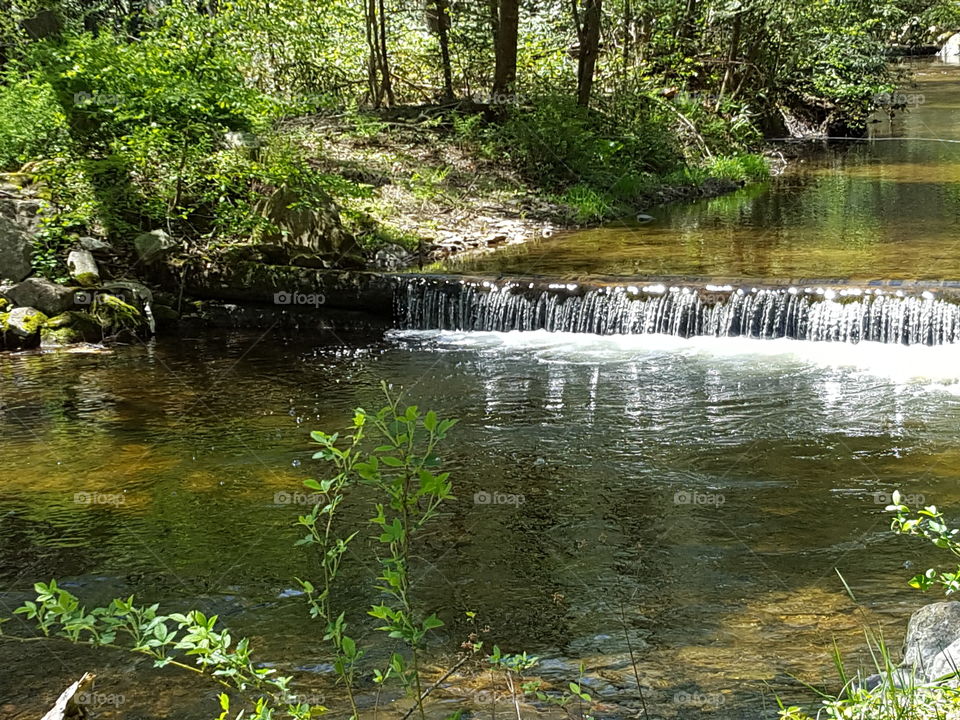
(884, 208)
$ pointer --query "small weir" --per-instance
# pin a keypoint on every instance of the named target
(908, 313)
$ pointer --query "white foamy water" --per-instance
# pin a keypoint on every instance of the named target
(937, 366)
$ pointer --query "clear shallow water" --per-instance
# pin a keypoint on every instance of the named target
(694, 494)
(886, 208)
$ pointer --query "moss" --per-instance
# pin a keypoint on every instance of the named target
(58, 337)
(81, 325)
(88, 279)
(114, 314)
(4, 304)
(33, 322)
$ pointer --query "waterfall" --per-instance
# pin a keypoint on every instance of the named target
(842, 314)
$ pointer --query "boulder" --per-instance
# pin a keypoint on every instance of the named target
(933, 640)
(83, 268)
(306, 224)
(16, 247)
(24, 323)
(48, 297)
(95, 245)
(950, 52)
(153, 246)
(70, 328)
(393, 257)
(944, 664)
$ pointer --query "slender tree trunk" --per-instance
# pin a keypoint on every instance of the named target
(373, 56)
(589, 49)
(443, 35)
(731, 58)
(386, 80)
(508, 21)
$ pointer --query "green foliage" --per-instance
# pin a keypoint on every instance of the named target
(928, 523)
(32, 124)
(403, 470)
(169, 640)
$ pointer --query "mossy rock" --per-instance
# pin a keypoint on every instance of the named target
(115, 315)
(70, 328)
(4, 304)
(21, 327)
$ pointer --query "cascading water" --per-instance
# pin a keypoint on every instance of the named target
(847, 314)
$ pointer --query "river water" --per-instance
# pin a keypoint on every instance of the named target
(693, 499)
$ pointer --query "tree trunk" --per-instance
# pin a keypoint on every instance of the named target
(385, 79)
(589, 49)
(443, 35)
(508, 21)
(731, 59)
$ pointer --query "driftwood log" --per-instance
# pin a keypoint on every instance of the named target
(68, 705)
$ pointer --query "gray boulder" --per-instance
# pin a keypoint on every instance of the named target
(95, 245)
(945, 664)
(48, 297)
(83, 268)
(153, 246)
(16, 247)
(950, 52)
(393, 257)
(25, 323)
(931, 630)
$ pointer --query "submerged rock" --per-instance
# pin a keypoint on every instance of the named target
(83, 268)
(42, 294)
(16, 247)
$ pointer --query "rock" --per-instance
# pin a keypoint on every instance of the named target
(165, 316)
(392, 257)
(70, 328)
(83, 268)
(16, 247)
(950, 52)
(944, 663)
(95, 245)
(48, 297)
(24, 323)
(307, 223)
(931, 630)
(153, 246)
(135, 293)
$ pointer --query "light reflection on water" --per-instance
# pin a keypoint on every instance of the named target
(705, 489)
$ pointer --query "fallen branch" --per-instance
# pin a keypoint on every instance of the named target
(68, 707)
